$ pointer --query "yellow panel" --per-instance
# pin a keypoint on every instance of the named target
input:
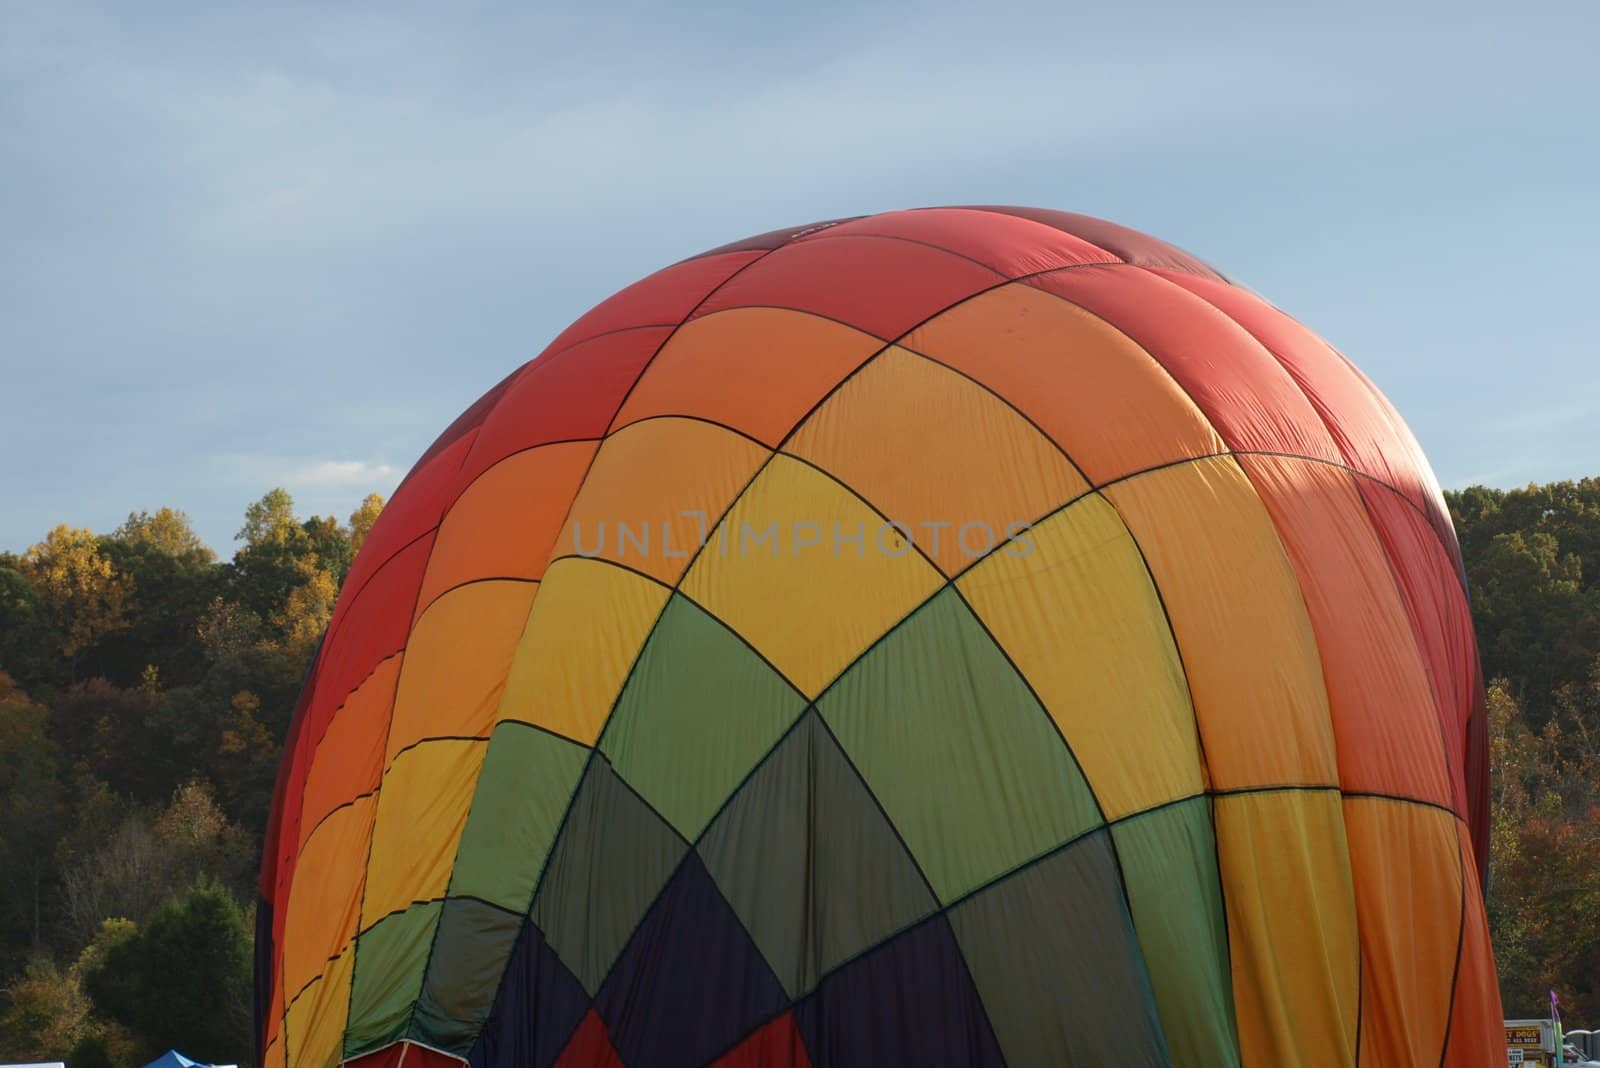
(1291, 926)
(1407, 871)
(655, 489)
(585, 631)
(422, 807)
(808, 574)
(317, 1018)
(932, 449)
(1078, 616)
(1247, 643)
(456, 663)
(325, 895)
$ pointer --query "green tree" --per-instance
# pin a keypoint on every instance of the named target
(183, 979)
(25, 645)
(32, 818)
(1532, 559)
(177, 578)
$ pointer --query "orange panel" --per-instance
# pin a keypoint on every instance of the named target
(928, 448)
(656, 488)
(1378, 692)
(1476, 1027)
(758, 370)
(1406, 866)
(505, 523)
(457, 661)
(349, 760)
(326, 896)
(1247, 645)
(1291, 926)
(1087, 385)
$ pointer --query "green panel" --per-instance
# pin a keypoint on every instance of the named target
(527, 781)
(1053, 955)
(1169, 862)
(965, 761)
(700, 709)
(611, 861)
(388, 974)
(469, 957)
(807, 860)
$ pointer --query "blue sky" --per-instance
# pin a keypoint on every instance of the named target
(281, 245)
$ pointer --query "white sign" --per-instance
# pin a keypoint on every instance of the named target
(1513, 1056)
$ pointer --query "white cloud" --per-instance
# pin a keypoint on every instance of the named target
(332, 474)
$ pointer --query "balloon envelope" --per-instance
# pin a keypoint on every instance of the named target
(956, 636)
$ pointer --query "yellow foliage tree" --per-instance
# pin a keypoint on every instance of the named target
(306, 614)
(84, 595)
(362, 518)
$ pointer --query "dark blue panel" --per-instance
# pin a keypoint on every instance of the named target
(909, 1001)
(535, 1012)
(691, 983)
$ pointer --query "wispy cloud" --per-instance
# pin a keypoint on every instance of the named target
(339, 474)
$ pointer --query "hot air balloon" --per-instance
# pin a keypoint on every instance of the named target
(955, 636)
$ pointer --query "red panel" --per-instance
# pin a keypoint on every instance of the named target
(569, 396)
(776, 1045)
(590, 1046)
(662, 299)
(774, 239)
(1242, 389)
(1478, 777)
(876, 284)
(405, 1054)
(1129, 245)
(1369, 433)
(467, 420)
(372, 627)
(388, 1057)
(423, 1057)
(1440, 619)
(1011, 245)
(414, 510)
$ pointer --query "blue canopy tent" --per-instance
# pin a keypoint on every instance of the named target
(173, 1059)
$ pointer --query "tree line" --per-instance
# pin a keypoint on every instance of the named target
(146, 687)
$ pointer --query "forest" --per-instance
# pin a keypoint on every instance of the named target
(146, 684)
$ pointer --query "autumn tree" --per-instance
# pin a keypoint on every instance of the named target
(45, 1013)
(167, 531)
(79, 591)
(362, 520)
